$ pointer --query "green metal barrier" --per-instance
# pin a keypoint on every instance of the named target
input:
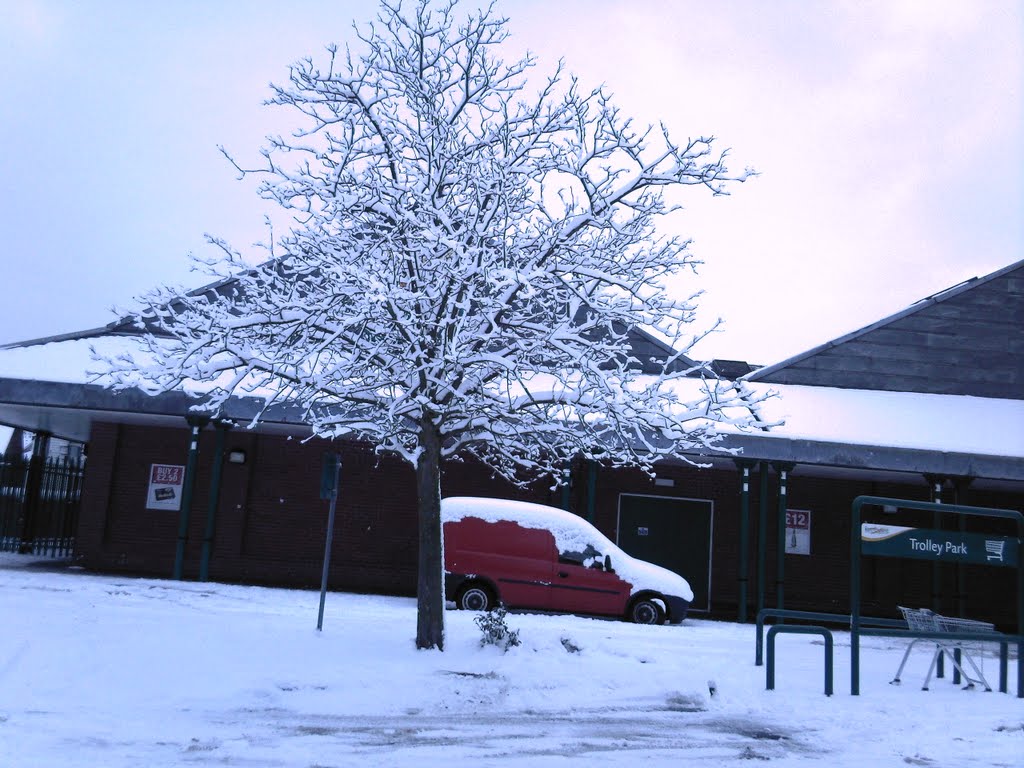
(829, 618)
(792, 629)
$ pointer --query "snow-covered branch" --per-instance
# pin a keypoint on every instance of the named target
(468, 265)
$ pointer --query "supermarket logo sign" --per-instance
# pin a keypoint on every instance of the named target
(930, 544)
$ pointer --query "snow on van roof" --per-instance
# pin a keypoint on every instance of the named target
(572, 534)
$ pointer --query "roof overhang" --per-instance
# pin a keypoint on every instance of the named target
(69, 410)
(877, 460)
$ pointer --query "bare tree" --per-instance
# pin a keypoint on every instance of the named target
(465, 264)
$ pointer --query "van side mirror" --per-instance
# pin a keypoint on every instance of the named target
(608, 563)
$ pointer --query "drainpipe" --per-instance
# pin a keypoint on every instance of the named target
(211, 508)
(780, 555)
(196, 423)
(960, 486)
(762, 533)
(935, 481)
(743, 566)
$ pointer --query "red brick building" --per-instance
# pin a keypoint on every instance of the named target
(925, 405)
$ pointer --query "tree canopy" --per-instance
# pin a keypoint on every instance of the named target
(467, 264)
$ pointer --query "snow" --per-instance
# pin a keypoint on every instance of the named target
(572, 534)
(979, 425)
(120, 672)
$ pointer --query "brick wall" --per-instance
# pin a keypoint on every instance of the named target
(271, 522)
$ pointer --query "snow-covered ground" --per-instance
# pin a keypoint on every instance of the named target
(112, 671)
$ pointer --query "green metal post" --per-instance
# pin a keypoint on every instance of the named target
(744, 564)
(211, 508)
(186, 494)
(801, 630)
(936, 496)
(762, 533)
(855, 596)
(960, 486)
(1020, 609)
(328, 489)
(780, 555)
(936, 488)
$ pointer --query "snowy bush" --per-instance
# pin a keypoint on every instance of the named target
(495, 630)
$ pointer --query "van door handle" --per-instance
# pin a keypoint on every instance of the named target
(563, 574)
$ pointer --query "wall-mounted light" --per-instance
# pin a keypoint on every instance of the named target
(664, 482)
(889, 509)
(236, 457)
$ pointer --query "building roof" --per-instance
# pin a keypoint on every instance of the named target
(45, 385)
(965, 340)
(646, 347)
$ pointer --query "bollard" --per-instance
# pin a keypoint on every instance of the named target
(791, 629)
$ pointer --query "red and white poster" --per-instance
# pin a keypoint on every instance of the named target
(798, 532)
(165, 484)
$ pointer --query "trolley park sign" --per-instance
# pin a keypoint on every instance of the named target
(936, 545)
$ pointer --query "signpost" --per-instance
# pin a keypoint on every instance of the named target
(328, 490)
(937, 546)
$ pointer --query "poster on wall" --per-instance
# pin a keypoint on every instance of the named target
(798, 532)
(165, 484)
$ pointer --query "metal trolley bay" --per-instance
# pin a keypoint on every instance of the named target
(924, 620)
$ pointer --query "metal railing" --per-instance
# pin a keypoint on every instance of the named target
(39, 505)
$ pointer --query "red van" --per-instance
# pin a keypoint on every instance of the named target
(527, 555)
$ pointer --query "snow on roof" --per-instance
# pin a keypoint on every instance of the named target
(946, 423)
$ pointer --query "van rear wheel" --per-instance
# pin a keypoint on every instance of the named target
(475, 597)
(646, 612)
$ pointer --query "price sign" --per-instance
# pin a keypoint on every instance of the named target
(165, 484)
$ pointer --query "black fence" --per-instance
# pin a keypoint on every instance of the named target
(39, 503)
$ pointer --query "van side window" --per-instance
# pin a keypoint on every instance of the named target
(585, 559)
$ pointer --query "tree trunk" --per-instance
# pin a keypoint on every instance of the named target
(430, 582)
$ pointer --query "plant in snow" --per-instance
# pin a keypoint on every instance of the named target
(464, 266)
(495, 630)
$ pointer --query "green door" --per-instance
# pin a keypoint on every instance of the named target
(673, 533)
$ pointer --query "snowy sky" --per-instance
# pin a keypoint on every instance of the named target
(889, 135)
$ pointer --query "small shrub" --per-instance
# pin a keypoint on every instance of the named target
(495, 631)
(570, 646)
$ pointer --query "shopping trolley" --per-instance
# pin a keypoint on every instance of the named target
(923, 620)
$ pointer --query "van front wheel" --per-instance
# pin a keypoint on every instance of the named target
(646, 612)
(475, 597)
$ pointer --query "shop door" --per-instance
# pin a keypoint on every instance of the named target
(673, 533)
